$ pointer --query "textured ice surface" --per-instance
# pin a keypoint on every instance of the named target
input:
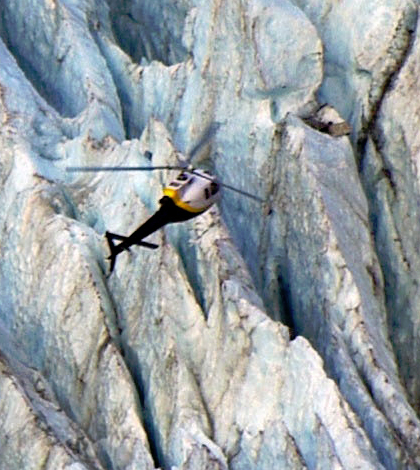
(258, 336)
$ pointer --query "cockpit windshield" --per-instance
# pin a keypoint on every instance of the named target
(214, 188)
(182, 176)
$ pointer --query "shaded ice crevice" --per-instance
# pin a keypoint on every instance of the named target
(402, 48)
(61, 62)
(150, 31)
(144, 90)
(33, 46)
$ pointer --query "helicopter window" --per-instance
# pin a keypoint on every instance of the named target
(206, 193)
(214, 187)
(182, 177)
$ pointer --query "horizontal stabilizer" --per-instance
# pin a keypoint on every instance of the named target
(117, 249)
(152, 246)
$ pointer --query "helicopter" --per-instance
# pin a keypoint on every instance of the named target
(190, 194)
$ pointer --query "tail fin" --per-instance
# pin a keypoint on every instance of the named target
(117, 249)
(113, 249)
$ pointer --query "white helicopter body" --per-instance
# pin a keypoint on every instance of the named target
(193, 191)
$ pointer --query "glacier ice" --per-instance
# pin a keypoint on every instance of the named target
(258, 336)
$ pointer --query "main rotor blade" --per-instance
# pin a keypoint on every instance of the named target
(121, 168)
(205, 137)
(241, 191)
(152, 168)
(228, 186)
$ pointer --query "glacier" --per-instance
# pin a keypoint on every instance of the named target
(282, 334)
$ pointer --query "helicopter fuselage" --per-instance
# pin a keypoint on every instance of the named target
(193, 191)
(189, 195)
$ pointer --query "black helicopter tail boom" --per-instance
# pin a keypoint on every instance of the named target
(167, 213)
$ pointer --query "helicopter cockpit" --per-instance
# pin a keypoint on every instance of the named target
(196, 190)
